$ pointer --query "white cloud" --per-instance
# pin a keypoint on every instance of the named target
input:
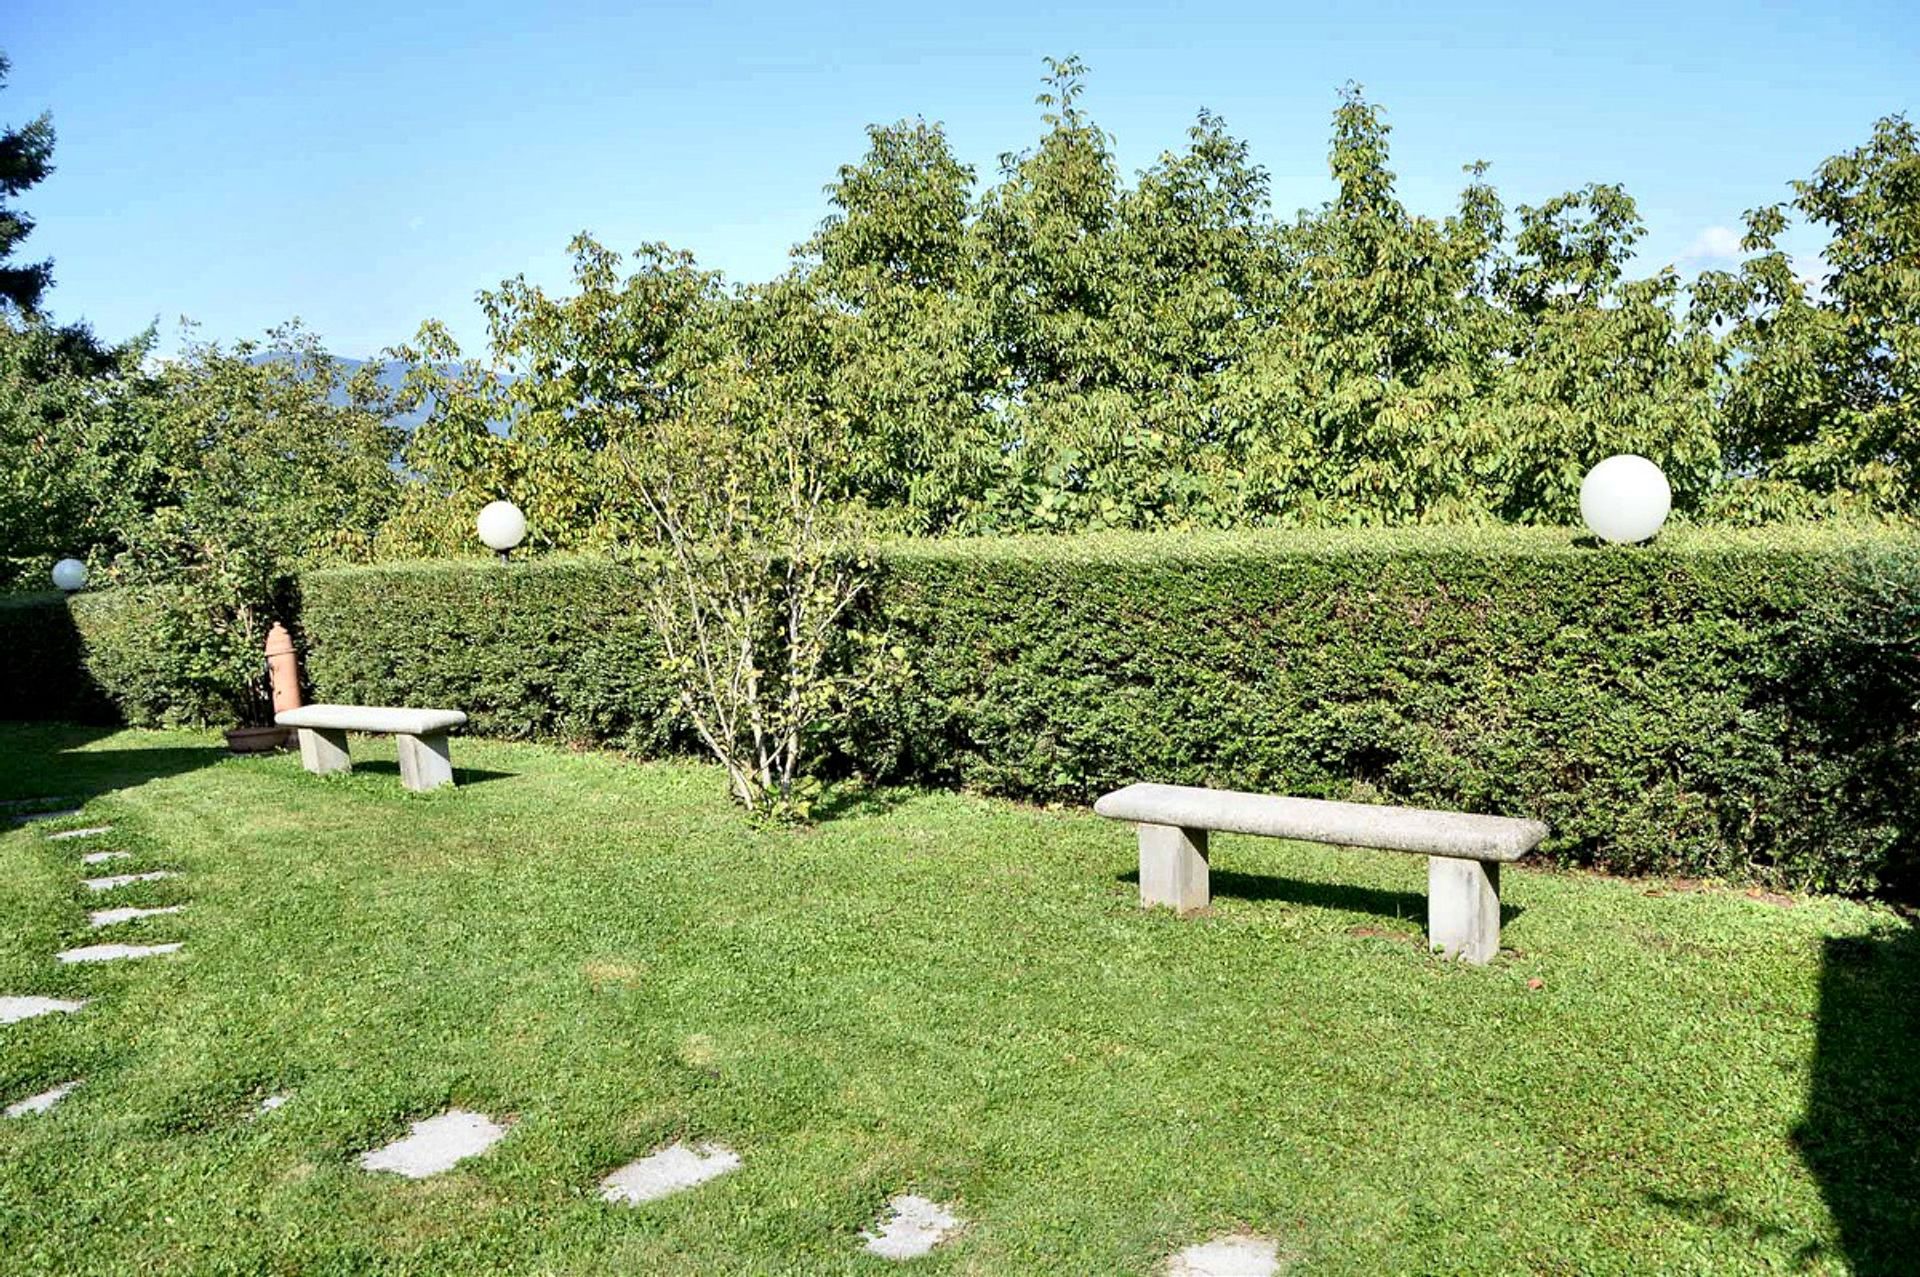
(1811, 271)
(1716, 243)
(415, 223)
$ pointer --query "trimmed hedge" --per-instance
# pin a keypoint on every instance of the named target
(1737, 705)
(1722, 705)
(553, 648)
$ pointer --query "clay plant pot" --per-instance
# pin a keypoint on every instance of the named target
(257, 740)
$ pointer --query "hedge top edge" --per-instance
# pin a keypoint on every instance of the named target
(1413, 542)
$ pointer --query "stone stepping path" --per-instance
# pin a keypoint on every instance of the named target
(90, 832)
(115, 952)
(671, 1170)
(436, 1144)
(124, 880)
(14, 1009)
(913, 1228)
(1235, 1255)
(40, 1103)
(114, 917)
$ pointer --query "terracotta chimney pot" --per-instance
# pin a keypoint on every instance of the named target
(283, 667)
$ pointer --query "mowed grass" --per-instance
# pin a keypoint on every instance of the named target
(926, 992)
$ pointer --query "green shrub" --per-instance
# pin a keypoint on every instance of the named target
(43, 672)
(134, 656)
(168, 658)
(27, 574)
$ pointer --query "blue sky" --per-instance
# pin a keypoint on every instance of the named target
(365, 166)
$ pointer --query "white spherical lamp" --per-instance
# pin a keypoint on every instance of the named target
(1625, 499)
(70, 575)
(501, 526)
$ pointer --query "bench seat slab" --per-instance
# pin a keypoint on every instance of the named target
(425, 762)
(1458, 834)
(323, 751)
(385, 719)
(1173, 867)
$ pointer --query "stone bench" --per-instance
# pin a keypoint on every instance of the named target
(1464, 852)
(422, 737)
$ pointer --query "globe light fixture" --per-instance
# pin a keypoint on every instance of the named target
(70, 575)
(501, 526)
(1625, 499)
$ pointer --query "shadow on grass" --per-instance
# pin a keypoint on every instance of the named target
(1719, 1211)
(46, 765)
(1411, 905)
(1860, 1136)
(461, 775)
(852, 799)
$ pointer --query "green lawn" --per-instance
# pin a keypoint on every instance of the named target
(925, 992)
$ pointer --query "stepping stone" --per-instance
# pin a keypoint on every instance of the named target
(13, 1009)
(672, 1169)
(65, 834)
(915, 1227)
(15, 804)
(115, 952)
(269, 1104)
(122, 880)
(436, 1144)
(114, 917)
(1236, 1255)
(42, 1102)
(102, 857)
(34, 817)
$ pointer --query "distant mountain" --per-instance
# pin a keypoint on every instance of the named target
(392, 374)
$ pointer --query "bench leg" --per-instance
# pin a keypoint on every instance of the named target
(1173, 867)
(1463, 907)
(323, 751)
(425, 762)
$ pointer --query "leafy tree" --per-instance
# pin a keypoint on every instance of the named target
(263, 459)
(26, 157)
(453, 462)
(74, 464)
(913, 367)
(751, 558)
(1049, 264)
(1820, 407)
(568, 376)
(900, 215)
(1068, 349)
(1195, 261)
(1417, 370)
(1595, 363)
(698, 430)
(1116, 310)
(1355, 404)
